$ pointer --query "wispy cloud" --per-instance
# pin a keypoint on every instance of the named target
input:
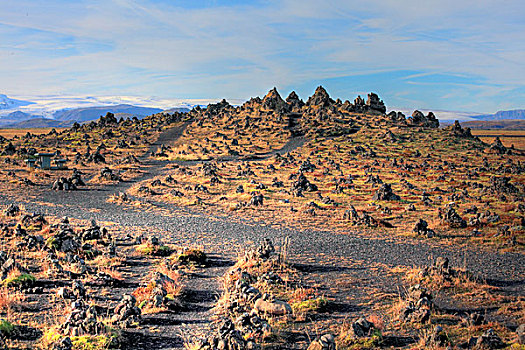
(237, 49)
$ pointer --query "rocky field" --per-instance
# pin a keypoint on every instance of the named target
(277, 224)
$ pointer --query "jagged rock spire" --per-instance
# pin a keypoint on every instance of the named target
(273, 100)
(294, 100)
(320, 98)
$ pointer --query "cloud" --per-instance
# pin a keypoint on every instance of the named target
(215, 49)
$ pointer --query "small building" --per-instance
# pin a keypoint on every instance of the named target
(30, 162)
(44, 159)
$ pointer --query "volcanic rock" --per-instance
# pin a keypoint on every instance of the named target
(374, 103)
(385, 194)
(320, 98)
(419, 119)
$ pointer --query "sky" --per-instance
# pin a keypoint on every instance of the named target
(460, 55)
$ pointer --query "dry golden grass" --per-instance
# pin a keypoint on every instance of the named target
(10, 133)
(10, 299)
(508, 137)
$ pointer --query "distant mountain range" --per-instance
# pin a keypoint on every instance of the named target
(58, 111)
(65, 118)
(512, 114)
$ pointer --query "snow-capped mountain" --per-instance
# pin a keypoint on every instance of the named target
(7, 103)
(65, 109)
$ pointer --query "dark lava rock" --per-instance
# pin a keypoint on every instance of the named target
(266, 249)
(437, 338)
(294, 101)
(421, 228)
(521, 334)
(362, 328)
(126, 312)
(375, 103)
(385, 193)
(497, 147)
(502, 185)
(453, 219)
(257, 199)
(397, 117)
(12, 210)
(488, 340)
(273, 101)
(419, 119)
(324, 342)
(458, 131)
(320, 98)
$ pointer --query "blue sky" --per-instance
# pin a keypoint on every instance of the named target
(460, 55)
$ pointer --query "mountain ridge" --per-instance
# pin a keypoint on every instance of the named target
(499, 115)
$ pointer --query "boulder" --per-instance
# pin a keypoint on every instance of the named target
(362, 328)
(421, 228)
(274, 308)
(324, 342)
(521, 334)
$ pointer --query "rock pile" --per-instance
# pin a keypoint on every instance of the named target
(397, 117)
(437, 338)
(419, 305)
(452, 219)
(8, 264)
(419, 119)
(302, 184)
(363, 219)
(126, 312)
(108, 174)
(228, 338)
(12, 210)
(385, 193)
(94, 232)
(497, 147)
(362, 328)
(257, 199)
(502, 185)
(320, 98)
(421, 228)
(82, 320)
(154, 294)
(488, 340)
(458, 131)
